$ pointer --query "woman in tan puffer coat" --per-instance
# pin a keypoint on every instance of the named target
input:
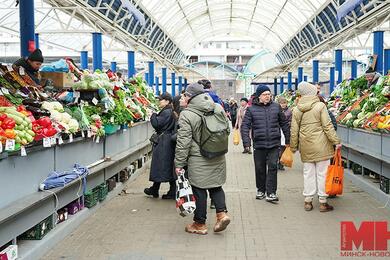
(312, 133)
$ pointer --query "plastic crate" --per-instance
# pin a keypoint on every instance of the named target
(111, 129)
(111, 184)
(73, 207)
(384, 184)
(102, 191)
(62, 215)
(38, 231)
(91, 198)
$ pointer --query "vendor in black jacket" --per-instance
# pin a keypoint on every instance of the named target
(265, 118)
(32, 64)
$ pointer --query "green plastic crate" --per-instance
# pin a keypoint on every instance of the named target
(38, 231)
(91, 198)
(102, 191)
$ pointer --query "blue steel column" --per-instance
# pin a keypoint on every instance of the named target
(97, 51)
(378, 50)
(339, 65)
(130, 64)
(296, 83)
(173, 81)
(386, 62)
(147, 78)
(289, 80)
(331, 80)
(180, 84)
(26, 18)
(305, 78)
(164, 79)
(113, 66)
(84, 60)
(300, 74)
(354, 69)
(36, 39)
(185, 83)
(275, 86)
(151, 73)
(316, 71)
(281, 85)
(157, 86)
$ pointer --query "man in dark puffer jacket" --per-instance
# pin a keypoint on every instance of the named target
(265, 118)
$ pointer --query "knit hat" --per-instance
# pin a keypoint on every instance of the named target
(193, 90)
(260, 89)
(244, 99)
(36, 56)
(307, 89)
(165, 96)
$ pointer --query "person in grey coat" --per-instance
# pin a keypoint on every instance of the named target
(162, 168)
(204, 174)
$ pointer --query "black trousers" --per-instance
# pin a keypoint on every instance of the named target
(266, 167)
(217, 196)
(172, 187)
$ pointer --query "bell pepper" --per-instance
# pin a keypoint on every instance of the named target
(8, 123)
(10, 133)
(2, 117)
(45, 122)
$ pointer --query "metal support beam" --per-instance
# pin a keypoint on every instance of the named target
(386, 62)
(113, 66)
(339, 65)
(289, 80)
(275, 86)
(84, 60)
(130, 64)
(157, 86)
(354, 69)
(26, 18)
(331, 80)
(147, 78)
(300, 74)
(151, 73)
(305, 78)
(378, 50)
(36, 40)
(173, 82)
(164, 79)
(296, 84)
(185, 83)
(180, 84)
(97, 51)
(281, 85)
(315, 71)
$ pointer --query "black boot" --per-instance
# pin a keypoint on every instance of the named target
(151, 192)
(281, 167)
(171, 194)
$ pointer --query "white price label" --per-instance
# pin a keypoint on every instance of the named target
(21, 71)
(1, 93)
(112, 119)
(76, 94)
(46, 142)
(82, 134)
(5, 91)
(10, 145)
(9, 68)
(1, 147)
(53, 141)
(60, 141)
(23, 151)
(95, 101)
(97, 139)
(89, 134)
(70, 138)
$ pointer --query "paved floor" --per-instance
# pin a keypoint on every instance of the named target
(133, 226)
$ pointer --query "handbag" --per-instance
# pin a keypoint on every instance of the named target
(236, 137)
(185, 199)
(155, 137)
(335, 176)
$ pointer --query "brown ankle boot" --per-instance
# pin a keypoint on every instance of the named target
(308, 206)
(223, 221)
(196, 228)
(325, 207)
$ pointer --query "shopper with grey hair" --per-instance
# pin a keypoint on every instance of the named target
(312, 133)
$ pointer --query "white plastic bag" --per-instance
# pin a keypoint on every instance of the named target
(185, 199)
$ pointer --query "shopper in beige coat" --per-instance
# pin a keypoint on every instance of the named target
(312, 133)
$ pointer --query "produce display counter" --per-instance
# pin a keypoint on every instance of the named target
(22, 206)
(371, 151)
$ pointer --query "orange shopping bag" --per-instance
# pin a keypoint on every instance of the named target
(335, 175)
(287, 157)
(236, 137)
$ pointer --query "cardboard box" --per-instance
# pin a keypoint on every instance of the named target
(10, 253)
(59, 79)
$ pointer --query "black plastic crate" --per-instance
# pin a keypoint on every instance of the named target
(38, 231)
(384, 184)
(111, 183)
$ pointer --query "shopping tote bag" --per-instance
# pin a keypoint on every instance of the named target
(236, 137)
(185, 199)
(287, 157)
(335, 175)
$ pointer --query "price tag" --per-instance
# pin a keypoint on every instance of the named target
(1, 147)
(112, 119)
(1, 93)
(23, 151)
(46, 142)
(89, 134)
(9, 68)
(76, 94)
(60, 141)
(97, 139)
(71, 138)
(95, 101)
(53, 141)
(21, 71)
(5, 91)
(10, 145)
(82, 134)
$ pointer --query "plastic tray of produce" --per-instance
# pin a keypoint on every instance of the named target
(38, 231)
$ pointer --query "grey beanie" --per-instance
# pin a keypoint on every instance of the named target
(307, 89)
(193, 90)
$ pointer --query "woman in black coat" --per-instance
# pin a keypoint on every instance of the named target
(162, 168)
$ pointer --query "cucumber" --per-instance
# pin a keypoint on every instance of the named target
(19, 120)
(21, 134)
(30, 132)
(24, 142)
(10, 110)
(18, 139)
(28, 137)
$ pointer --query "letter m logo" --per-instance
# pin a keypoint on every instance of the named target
(351, 236)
